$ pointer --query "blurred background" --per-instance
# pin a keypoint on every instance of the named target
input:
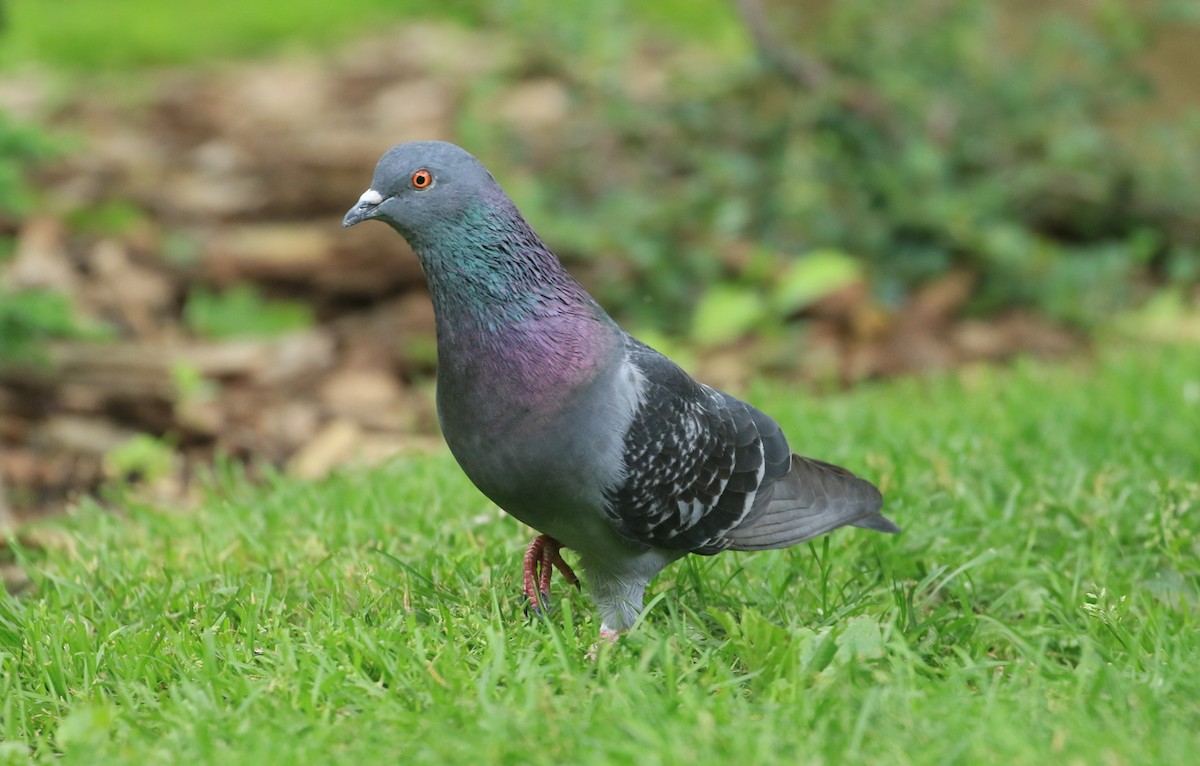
(830, 191)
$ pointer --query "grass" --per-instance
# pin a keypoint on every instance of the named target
(1042, 603)
(118, 35)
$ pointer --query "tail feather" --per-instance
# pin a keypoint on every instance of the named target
(812, 499)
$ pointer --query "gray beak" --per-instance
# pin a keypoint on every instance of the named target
(363, 209)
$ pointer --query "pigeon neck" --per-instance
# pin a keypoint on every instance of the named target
(513, 327)
(491, 271)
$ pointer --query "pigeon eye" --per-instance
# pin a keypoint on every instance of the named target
(421, 179)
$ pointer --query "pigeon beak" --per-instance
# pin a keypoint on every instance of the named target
(363, 208)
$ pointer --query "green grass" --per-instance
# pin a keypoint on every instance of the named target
(1041, 606)
(86, 35)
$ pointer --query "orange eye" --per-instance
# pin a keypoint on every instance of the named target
(421, 179)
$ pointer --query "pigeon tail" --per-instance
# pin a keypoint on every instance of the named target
(812, 499)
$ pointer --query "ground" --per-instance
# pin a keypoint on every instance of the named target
(283, 604)
(1040, 604)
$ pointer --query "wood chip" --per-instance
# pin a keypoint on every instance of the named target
(332, 446)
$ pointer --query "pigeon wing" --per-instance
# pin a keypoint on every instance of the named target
(705, 471)
(694, 461)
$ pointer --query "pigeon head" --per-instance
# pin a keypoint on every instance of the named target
(482, 261)
(425, 188)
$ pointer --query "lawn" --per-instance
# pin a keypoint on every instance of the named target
(123, 35)
(1041, 605)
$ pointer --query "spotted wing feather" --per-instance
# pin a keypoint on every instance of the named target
(705, 472)
(694, 461)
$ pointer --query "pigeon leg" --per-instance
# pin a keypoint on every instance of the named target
(551, 555)
(542, 557)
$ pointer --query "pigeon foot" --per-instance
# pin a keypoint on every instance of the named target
(542, 557)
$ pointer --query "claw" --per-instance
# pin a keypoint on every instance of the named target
(542, 557)
(539, 607)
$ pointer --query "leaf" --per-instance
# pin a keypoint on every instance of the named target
(29, 318)
(241, 311)
(812, 277)
(142, 456)
(726, 313)
(861, 640)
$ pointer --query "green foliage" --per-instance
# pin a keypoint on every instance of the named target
(815, 276)
(726, 313)
(1165, 316)
(242, 311)
(946, 141)
(1042, 599)
(954, 135)
(190, 384)
(27, 318)
(760, 301)
(31, 318)
(140, 458)
(20, 146)
(109, 218)
(124, 34)
(120, 34)
(1002, 157)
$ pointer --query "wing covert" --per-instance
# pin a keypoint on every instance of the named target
(694, 461)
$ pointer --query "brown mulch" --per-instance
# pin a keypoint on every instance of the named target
(244, 173)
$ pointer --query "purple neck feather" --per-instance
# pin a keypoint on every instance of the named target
(514, 329)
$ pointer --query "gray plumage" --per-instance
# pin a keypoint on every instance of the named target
(575, 427)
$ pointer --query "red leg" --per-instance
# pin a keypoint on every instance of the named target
(533, 557)
(542, 557)
(554, 557)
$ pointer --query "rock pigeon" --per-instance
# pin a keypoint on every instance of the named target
(575, 427)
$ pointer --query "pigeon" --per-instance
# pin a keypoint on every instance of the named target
(573, 426)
